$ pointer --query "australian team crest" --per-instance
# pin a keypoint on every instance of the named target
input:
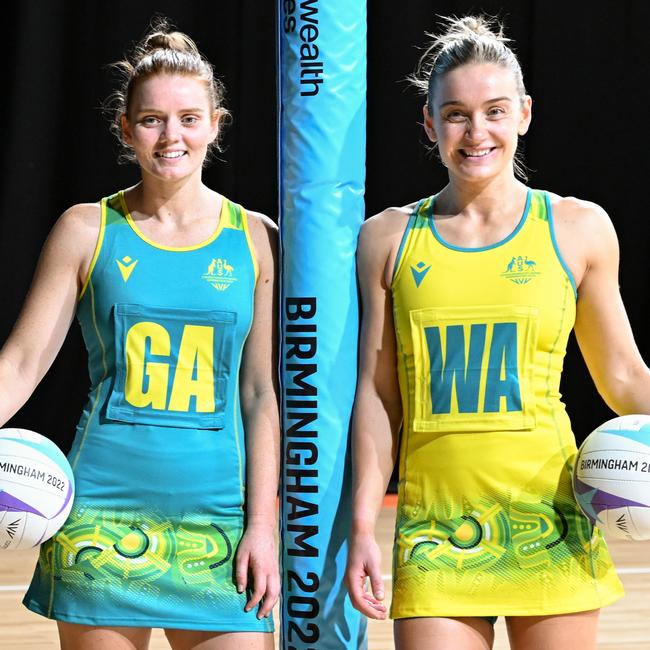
(520, 270)
(220, 274)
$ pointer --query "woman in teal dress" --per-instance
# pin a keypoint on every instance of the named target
(176, 456)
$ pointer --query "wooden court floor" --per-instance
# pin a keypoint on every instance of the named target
(623, 626)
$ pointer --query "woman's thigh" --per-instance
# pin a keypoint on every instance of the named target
(438, 633)
(87, 637)
(576, 631)
(198, 640)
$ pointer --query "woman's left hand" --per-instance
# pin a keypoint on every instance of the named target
(257, 567)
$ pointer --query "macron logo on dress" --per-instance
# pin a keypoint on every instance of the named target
(126, 266)
(419, 271)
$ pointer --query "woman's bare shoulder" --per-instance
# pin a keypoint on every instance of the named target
(389, 221)
(77, 228)
(579, 214)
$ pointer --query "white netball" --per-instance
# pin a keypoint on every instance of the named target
(611, 478)
(36, 488)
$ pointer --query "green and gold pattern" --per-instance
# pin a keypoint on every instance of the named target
(95, 546)
(201, 551)
(472, 541)
(494, 548)
(137, 551)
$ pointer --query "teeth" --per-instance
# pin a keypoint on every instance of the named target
(171, 154)
(477, 154)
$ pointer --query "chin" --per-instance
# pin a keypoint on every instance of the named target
(485, 173)
(175, 173)
(478, 174)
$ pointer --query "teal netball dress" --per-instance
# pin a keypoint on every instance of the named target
(159, 454)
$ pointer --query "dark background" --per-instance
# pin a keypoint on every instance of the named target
(585, 64)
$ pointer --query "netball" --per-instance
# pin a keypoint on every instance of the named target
(611, 478)
(36, 488)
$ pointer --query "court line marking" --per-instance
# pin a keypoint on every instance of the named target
(622, 571)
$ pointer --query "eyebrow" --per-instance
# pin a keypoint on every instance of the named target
(457, 102)
(182, 110)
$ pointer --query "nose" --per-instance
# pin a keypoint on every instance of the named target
(475, 130)
(171, 130)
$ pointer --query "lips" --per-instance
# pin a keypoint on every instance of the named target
(477, 153)
(169, 155)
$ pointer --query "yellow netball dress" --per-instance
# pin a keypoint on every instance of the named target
(487, 523)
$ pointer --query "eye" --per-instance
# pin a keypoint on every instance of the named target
(496, 111)
(189, 120)
(149, 120)
(454, 116)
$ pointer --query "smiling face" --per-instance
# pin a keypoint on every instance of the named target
(476, 118)
(169, 124)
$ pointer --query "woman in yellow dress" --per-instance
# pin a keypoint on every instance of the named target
(469, 297)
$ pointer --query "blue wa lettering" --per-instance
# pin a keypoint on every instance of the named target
(464, 370)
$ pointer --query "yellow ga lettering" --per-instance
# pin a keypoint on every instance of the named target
(194, 375)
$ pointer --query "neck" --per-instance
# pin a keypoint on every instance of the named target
(488, 199)
(171, 201)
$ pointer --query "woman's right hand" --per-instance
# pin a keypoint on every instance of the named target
(364, 560)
